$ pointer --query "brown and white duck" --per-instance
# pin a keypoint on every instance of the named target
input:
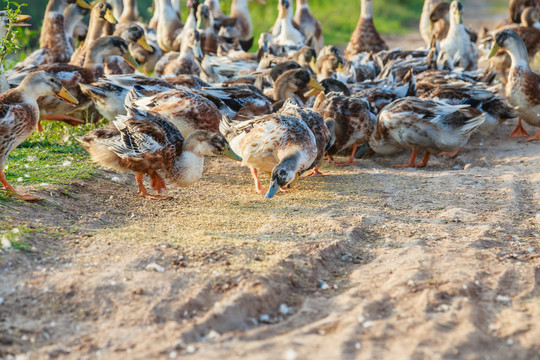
(238, 25)
(174, 64)
(146, 142)
(169, 25)
(205, 25)
(523, 87)
(19, 115)
(309, 25)
(365, 37)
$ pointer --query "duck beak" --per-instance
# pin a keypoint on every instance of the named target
(20, 20)
(110, 17)
(130, 60)
(142, 41)
(66, 97)
(313, 65)
(83, 4)
(495, 49)
(197, 50)
(340, 67)
(316, 88)
(229, 153)
(431, 25)
(274, 187)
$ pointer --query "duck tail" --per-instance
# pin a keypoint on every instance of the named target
(471, 125)
(226, 127)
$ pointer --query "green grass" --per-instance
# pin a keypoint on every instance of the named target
(52, 157)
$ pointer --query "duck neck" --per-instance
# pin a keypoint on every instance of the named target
(53, 23)
(282, 90)
(239, 8)
(186, 51)
(94, 61)
(56, 6)
(130, 12)
(168, 21)
(367, 9)
(518, 54)
(302, 5)
(73, 18)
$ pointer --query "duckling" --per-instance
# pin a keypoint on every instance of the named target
(365, 37)
(354, 122)
(145, 143)
(458, 42)
(174, 64)
(20, 115)
(523, 87)
(187, 110)
(100, 15)
(415, 124)
(53, 42)
(282, 145)
(309, 26)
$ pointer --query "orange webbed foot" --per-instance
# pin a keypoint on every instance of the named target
(25, 197)
(519, 131)
(316, 173)
(450, 154)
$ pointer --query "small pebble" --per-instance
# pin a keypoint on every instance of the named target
(66, 163)
(154, 267)
(1, 301)
(284, 309)
(325, 286)
(264, 318)
(503, 299)
(368, 324)
(357, 346)
(173, 355)
(213, 334)
(530, 250)
(467, 166)
(6, 244)
(116, 179)
(20, 179)
(510, 342)
(290, 354)
(191, 349)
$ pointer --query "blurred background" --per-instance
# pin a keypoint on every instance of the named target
(338, 17)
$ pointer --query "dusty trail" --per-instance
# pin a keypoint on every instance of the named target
(367, 263)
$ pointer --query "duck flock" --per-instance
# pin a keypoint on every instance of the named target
(175, 92)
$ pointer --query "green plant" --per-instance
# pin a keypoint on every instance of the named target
(10, 40)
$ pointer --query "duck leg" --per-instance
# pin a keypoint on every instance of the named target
(315, 172)
(330, 158)
(158, 183)
(142, 190)
(425, 160)
(11, 191)
(73, 121)
(351, 158)
(535, 137)
(411, 160)
(450, 154)
(258, 186)
(519, 131)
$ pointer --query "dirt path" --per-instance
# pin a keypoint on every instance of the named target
(367, 263)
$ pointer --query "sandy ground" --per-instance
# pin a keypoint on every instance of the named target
(370, 262)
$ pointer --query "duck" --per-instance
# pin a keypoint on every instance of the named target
(169, 25)
(205, 25)
(132, 34)
(100, 15)
(353, 122)
(516, 7)
(215, 8)
(130, 14)
(295, 81)
(245, 101)
(19, 116)
(146, 143)
(190, 24)
(74, 15)
(423, 125)
(323, 131)
(109, 93)
(425, 25)
(458, 44)
(275, 30)
(288, 35)
(327, 65)
(174, 64)
(522, 89)
(529, 31)
(53, 42)
(309, 25)
(187, 110)
(238, 25)
(365, 37)
(281, 145)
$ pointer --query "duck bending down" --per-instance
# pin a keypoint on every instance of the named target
(174, 64)
(354, 122)
(145, 143)
(278, 144)
(433, 126)
(19, 115)
(523, 87)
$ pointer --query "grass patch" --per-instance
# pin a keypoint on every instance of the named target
(53, 157)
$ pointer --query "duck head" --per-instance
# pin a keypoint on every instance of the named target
(206, 143)
(42, 83)
(283, 174)
(135, 34)
(456, 12)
